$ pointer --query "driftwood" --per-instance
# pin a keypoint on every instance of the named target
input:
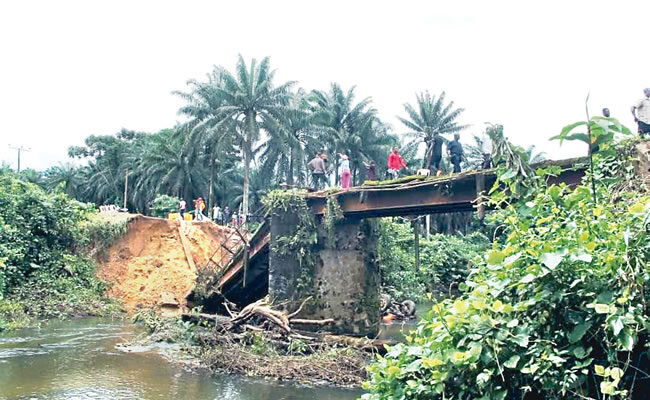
(262, 309)
(260, 317)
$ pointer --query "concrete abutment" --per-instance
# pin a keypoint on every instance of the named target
(343, 276)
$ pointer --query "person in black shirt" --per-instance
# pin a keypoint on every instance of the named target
(436, 153)
(455, 152)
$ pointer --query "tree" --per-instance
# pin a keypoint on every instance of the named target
(346, 127)
(66, 175)
(249, 100)
(428, 116)
(285, 154)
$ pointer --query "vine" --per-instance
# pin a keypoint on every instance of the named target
(333, 214)
(300, 243)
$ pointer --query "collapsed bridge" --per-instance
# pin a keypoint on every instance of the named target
(346, 278)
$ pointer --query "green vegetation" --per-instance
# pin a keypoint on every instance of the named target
(556, 309)
(163, 205)
(289, 203)
(444, 261)
(43, 273)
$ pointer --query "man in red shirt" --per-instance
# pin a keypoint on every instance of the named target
(395, 163)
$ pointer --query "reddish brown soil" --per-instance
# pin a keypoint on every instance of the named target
(148, 267)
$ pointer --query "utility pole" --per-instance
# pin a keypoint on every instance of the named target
(416, 228)
(126, 185)
(19, 149)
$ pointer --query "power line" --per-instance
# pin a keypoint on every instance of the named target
(19, 149)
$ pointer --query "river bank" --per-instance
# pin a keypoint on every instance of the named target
(80, 358)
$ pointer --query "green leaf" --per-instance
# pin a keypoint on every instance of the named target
(585, 257)
(512, 362)
(521, 340)
(626, 340)
(509, 174)
(601, 308)
(617, 325)
(495, 257)
(528, 278)
(552, 260)
(580, 352)
(565, 131)
(578, 332)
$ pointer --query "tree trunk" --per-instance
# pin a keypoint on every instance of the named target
(290, 171)
(246, 170)
(210, 191)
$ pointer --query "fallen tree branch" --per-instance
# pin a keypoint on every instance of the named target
(293, 314)
(317, 322)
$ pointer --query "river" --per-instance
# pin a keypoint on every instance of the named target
(78, 359)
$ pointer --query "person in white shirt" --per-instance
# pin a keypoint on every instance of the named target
(181, 208)
(346, 176)
(641, 113)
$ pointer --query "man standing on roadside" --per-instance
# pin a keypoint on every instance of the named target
(455, 152)
(317, 168)
(641, 113)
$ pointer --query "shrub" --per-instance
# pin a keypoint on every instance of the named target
(164, 204)
(555, 311)
(45, 243)
(444, 260)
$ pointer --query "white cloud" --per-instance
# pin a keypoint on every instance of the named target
(71, 69)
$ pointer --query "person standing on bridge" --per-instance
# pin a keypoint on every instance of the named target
(455, 152)
(317, 168)
(371, 171)
(436, 152)
(181, 208)
(395, 163)
(344, 169)
(486, 150)
(641, 113)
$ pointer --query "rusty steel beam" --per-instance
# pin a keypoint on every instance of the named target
(458, 193)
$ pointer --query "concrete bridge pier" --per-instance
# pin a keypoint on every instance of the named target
(343, 277)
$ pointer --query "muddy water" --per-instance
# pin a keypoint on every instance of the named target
(79, 360)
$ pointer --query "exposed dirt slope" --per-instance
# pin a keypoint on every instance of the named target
(149, 268)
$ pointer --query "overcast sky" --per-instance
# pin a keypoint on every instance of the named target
(69, 69)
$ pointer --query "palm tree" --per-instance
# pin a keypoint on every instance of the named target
(66, 175)
(250, 100)
(344, 126)
(429, 116)
(170, 168)
(284, 155)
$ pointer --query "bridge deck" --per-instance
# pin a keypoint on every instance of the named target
(429, 195)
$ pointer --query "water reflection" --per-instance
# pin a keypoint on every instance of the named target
(78, 360)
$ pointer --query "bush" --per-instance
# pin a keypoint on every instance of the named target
(556, 311)
(444, 260)
(164, 204)
(45, 242)
(37, 230)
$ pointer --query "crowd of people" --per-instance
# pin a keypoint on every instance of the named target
(395, 164)
(219, 216)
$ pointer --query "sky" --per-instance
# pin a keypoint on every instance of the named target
(69, 69)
